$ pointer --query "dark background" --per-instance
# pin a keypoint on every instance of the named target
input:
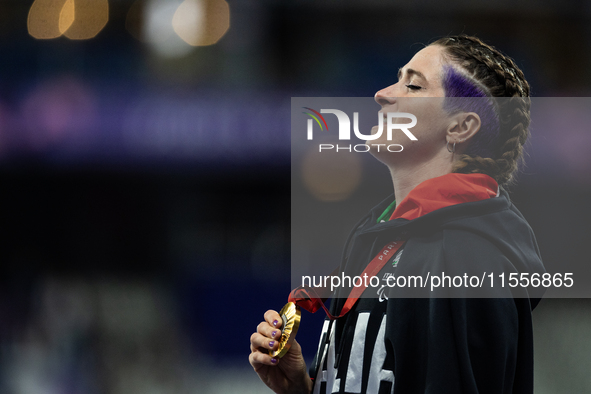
(145, 199)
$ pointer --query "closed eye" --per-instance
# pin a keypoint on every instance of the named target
(413, 87)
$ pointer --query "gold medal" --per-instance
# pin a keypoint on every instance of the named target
(291, 315)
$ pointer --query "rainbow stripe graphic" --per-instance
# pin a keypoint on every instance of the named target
(316, 117)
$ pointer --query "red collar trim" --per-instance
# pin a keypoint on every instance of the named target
(444, 191)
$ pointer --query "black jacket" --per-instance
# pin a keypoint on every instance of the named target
(418, 340)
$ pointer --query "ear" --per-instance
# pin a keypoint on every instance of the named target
(463, 127)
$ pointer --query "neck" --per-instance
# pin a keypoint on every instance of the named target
(406, 178)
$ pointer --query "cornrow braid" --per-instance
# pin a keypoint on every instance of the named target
(502, 78)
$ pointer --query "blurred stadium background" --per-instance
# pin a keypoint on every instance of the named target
(145, 176)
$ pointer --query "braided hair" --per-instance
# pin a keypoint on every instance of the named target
(498, 76)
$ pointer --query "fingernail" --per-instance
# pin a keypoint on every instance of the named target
(272, 343)
(274, 360)
(273, 334)
(275, 322)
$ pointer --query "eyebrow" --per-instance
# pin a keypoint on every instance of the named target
(410, 71)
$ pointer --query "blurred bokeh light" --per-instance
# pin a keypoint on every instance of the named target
(67, 16)
(50, 18)
(76, 19)
(202, 22)
(158, 30)
(172, 27)
(90, 17)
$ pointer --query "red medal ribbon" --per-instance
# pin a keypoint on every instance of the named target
(307, 298)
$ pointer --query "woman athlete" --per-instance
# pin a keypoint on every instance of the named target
(453, 215)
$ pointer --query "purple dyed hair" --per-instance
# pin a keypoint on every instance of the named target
(464, 94)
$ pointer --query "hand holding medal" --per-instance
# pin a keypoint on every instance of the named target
(268, 346)
(286, 374)
(290, 314)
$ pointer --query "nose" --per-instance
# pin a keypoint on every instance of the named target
(385, 96)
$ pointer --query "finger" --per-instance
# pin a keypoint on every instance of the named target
(254, 348)
(268, 330)
(260, 341)
(273, 318)
(258, 359)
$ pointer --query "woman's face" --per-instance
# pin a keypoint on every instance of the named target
(419, 91)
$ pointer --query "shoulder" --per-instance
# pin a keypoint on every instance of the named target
(488, 230)
(478, 245)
